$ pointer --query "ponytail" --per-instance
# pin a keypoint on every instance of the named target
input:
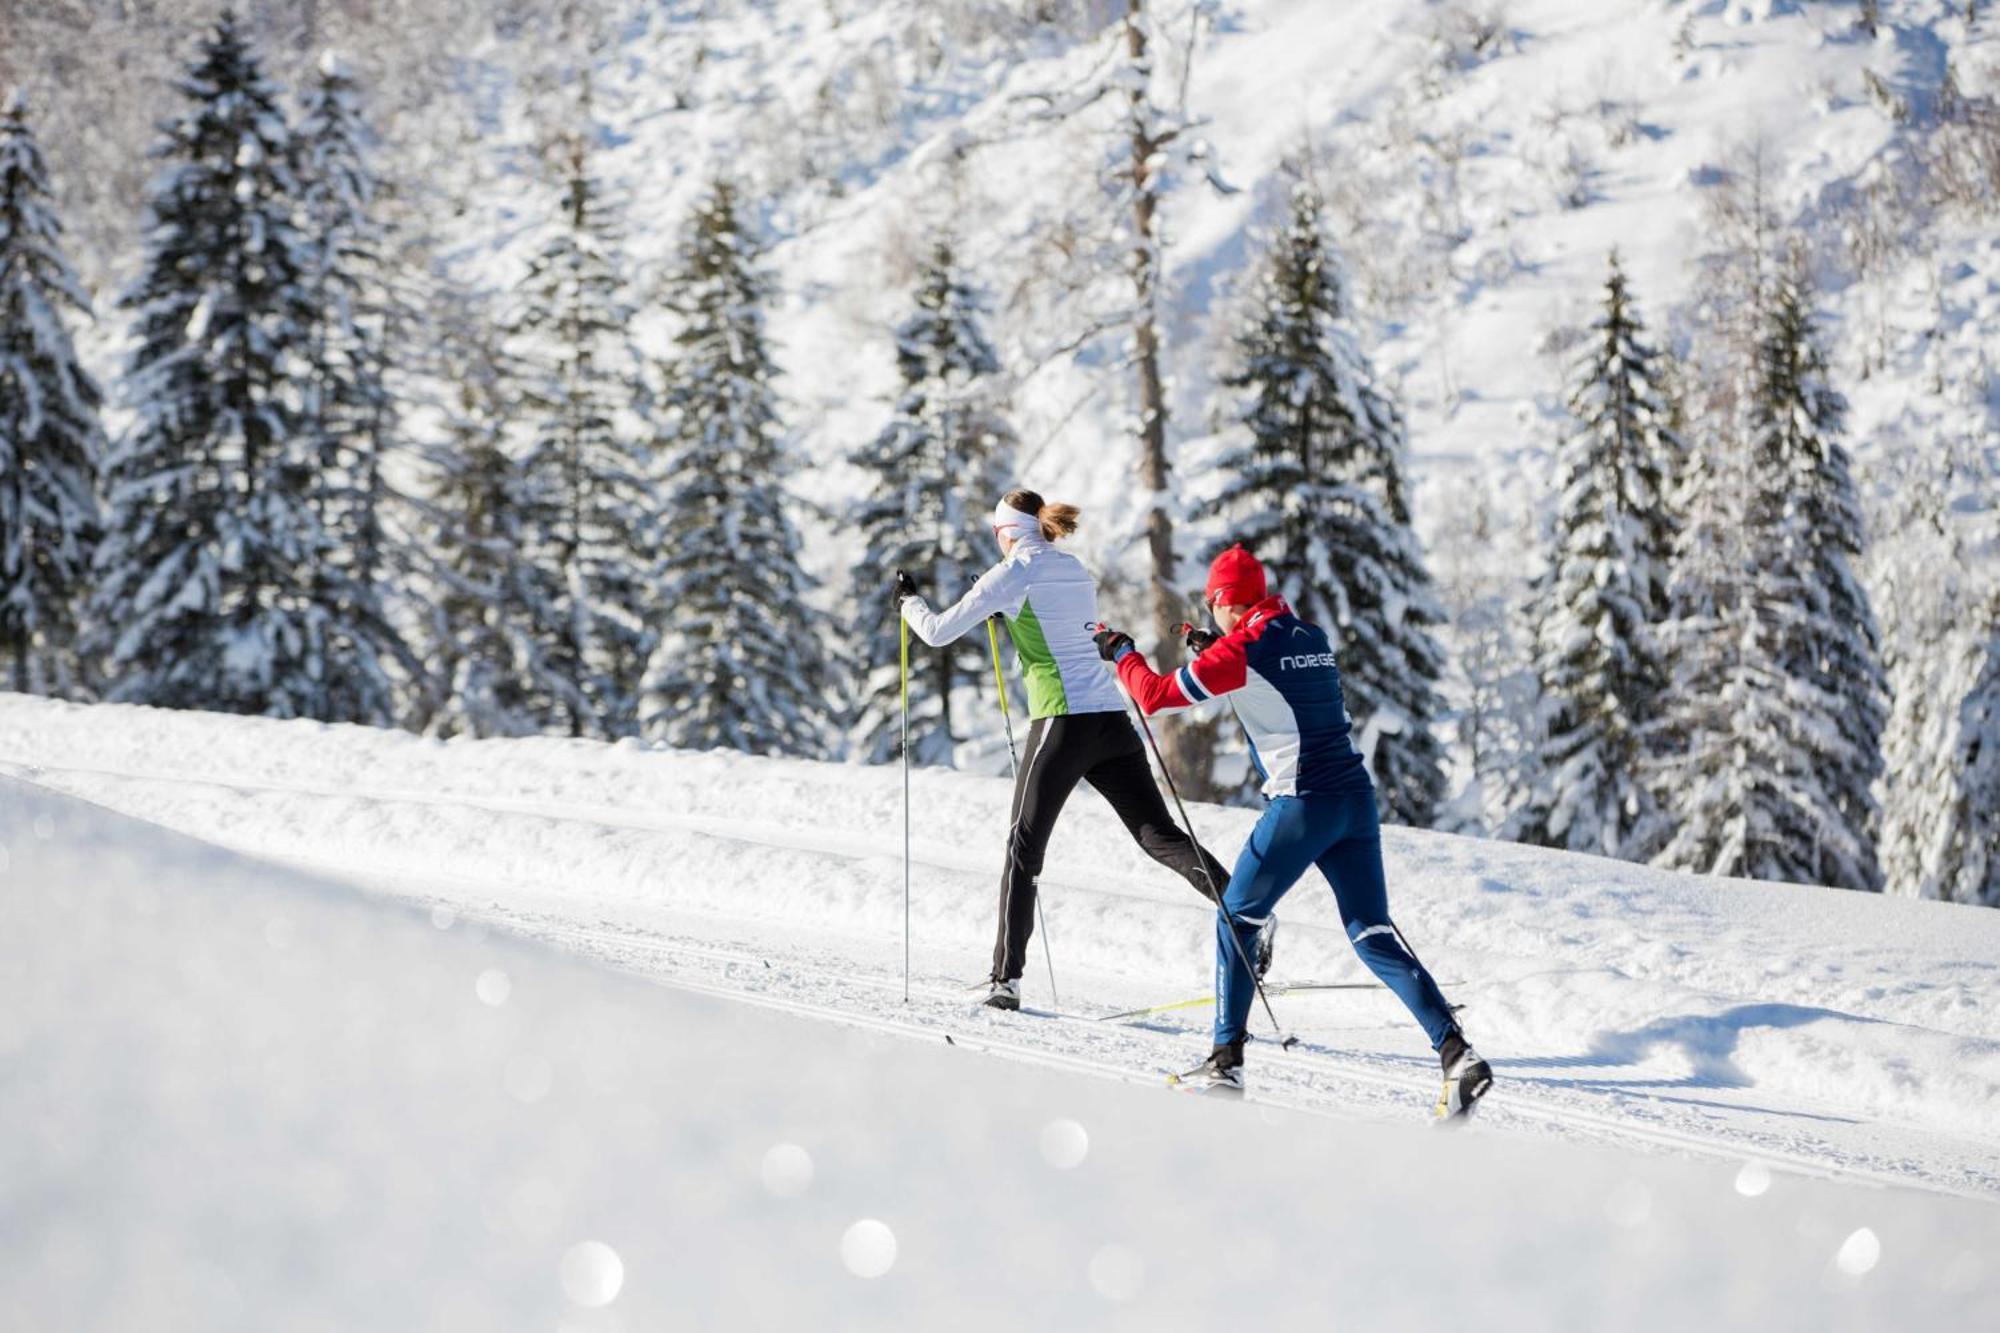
(1058, 520)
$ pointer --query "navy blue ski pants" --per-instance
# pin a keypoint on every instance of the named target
(1339, 834)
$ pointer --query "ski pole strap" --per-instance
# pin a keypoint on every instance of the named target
(906, 670)
(999, 679)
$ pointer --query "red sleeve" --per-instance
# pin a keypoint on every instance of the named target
(1223, 668)
(1149, 689)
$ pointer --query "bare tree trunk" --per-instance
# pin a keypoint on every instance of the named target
(1188, 748)
(1153, 468)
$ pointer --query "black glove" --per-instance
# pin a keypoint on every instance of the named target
(1198, 640)
(905, 587)
(1111, 644)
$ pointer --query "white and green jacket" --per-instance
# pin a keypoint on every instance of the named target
(1050, 602)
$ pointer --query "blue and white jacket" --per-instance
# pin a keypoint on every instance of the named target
(1278, 673)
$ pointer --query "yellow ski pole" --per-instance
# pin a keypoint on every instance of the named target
(1014, 762)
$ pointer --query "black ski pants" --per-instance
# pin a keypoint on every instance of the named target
(1102, 749)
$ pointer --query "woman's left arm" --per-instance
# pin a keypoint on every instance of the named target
(1001, 589)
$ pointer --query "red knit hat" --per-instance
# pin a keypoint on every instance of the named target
(1235, 579)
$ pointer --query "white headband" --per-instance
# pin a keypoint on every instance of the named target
(1008, 519)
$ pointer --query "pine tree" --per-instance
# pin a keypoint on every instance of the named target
(1779, 696)
(51, 438)
(1600, 665)
(1966, 860)
(493, 597)
(1941, 635)
(591, 506)
(206, 593)
(1728, 768)
(1318, 493)
(946, 441)
(1797, 423)
(740, 663)
(351, 413)
(1941, 826)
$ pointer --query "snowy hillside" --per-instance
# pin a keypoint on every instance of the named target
(244, 1097)
(1483, 159)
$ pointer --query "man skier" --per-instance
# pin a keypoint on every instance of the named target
(1279, 676)
(1080, 731)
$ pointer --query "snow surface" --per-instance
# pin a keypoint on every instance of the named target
(239, 1094)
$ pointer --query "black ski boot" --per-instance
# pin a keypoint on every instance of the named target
(1466, 1077)
(1221, 1073)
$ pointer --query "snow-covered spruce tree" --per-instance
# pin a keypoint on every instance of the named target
(350, 412)
(946, 447)
(1598, 658)
(1727, 770)
(51, 438)
(1941, 821)
(1317, 492)
(1778, 699)
(592, 511)
(493, 598)
(741, 658)
(205, 597)
(1962, 861)
(1941, 647)
(1797, 422)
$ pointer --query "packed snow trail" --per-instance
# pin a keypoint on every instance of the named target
(234, 1095)
(1832, 1033)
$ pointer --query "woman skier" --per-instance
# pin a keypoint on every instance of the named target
(1278, 673)
(1080, 731)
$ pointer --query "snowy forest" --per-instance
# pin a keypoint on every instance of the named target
(493, 369)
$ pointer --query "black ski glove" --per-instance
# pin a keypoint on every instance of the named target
(1111, 644)
(1199, 640)
(905, 587)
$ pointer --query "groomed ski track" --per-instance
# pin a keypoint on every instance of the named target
(791, 900)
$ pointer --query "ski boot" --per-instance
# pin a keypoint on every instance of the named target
(1002, 995)
(1466, 1078)
(1221, 1073)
